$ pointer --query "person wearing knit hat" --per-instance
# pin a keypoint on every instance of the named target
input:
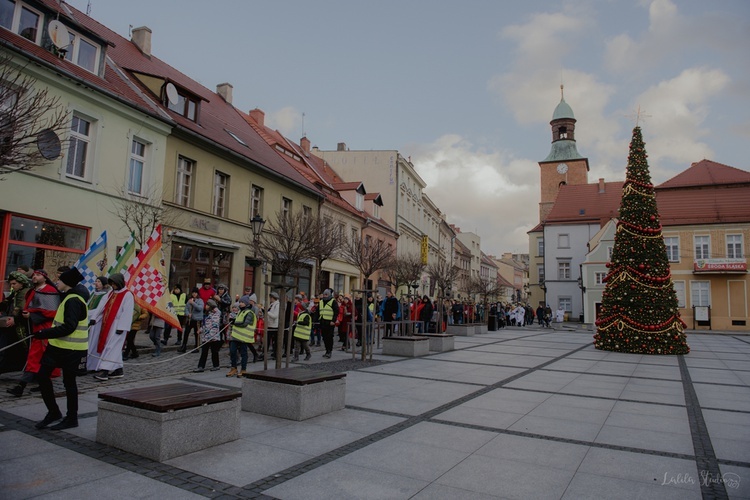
(113, 319)
(41, 304)
(210, 336)
(68, 342)
(242, 337)
(101, 289)
(12, 357)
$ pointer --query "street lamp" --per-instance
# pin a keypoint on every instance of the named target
(543, 286)
(583, 296)
(256, 224)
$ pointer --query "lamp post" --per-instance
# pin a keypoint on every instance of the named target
(256, 225)
(583, 292)
(543, 286)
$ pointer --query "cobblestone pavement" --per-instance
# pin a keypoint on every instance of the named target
(517, 413)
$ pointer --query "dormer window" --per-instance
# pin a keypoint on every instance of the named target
(82, 52)
(182, 104)
(21, 19)
(359, 201)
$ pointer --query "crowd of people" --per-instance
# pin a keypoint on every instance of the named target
(57, 328)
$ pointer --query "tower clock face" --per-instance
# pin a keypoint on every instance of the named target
(562, 168)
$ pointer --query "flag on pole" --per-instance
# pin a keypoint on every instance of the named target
(92, 263)
(146, 278)
(124, 257)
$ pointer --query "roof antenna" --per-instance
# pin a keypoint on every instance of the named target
(562, 94)
(303, 125)
(88, 8)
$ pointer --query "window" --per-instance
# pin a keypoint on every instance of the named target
(609, 253)
(185, 171)
(185, 106)
(221, 186)
(701, 247)
(376, 211)
(82, 52)
(672, 243)
(286, 207)
(734, 246)
(540, 247)
(566, 303)
(359, 201)
(78, 149)
(137, 162)
(563, 270)
(540, 270)
(355, 234)
(679, 289)
(599, 277)
(700, 293)
(20, 19)
(563, 241)
(256, 201)
(306, 212)
(338, 282)
(368, 241)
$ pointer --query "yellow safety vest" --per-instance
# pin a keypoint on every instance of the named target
(302, 331)
(326, 310)
(178, 304)
(79, 339)
(245, 333)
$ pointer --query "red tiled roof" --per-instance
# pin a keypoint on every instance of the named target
(216, 116)
(584, 202)
(347, 186)
(710, 205)
(706, 173)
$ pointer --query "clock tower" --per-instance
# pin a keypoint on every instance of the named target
(563, 164)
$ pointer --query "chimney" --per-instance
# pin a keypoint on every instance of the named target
(258, 116)
(141, 37)
(341, 146)
(225, 91)
(601, 185)
(305, 143)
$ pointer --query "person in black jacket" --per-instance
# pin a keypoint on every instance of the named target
(67, 348)
(425, 315)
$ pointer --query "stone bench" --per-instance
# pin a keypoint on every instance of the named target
(410, 346)
(293, 393)
(168, 421)
(461, 330)
(440, 342)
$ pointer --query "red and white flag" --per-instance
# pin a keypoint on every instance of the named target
(146, 278)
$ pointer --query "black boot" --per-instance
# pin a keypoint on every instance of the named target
(66, 423)
(17, 391)
(51, 417)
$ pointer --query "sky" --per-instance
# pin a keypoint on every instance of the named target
(467, 88)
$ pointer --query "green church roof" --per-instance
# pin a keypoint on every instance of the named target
(563, 110)
(563, 150)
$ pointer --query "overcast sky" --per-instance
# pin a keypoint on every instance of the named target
(467, 88)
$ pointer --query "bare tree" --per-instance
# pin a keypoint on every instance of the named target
(142, 213)
(485, 288)
(369, 257)
(405, 270)
(326, 242)
(286, 243)
(31, 121)
(443, 274)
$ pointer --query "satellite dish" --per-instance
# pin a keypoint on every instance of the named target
(59, 35)
(172, 95)
(48, 143)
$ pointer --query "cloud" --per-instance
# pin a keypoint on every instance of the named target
(676, 112)
(287, 120)
(484, 192)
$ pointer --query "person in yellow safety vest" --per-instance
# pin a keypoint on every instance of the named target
(328, 311)
(242, 337)
(302, 330)
(178, 299)
(68, 345)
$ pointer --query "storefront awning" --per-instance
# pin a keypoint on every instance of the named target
(206, 240)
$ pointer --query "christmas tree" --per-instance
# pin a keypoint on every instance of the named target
(639, 312)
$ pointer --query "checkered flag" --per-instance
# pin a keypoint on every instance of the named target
(146, 278)
(91, 264)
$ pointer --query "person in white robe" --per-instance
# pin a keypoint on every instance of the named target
(113, 319)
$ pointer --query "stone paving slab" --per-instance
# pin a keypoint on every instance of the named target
(517, 413)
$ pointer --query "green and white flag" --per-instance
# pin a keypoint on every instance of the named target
(124, 257)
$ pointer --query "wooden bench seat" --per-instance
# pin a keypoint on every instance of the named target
(153, 422)
(293, 393)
